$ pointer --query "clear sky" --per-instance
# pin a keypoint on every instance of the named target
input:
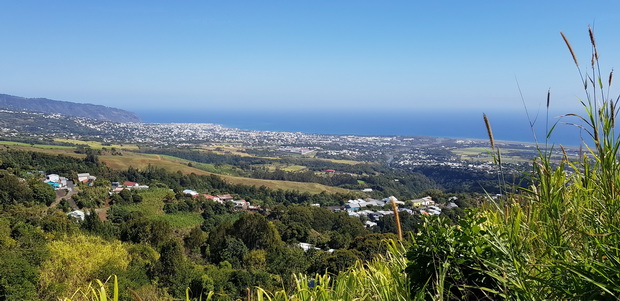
(295, 55)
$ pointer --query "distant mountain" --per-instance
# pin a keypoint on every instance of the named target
(44, 105)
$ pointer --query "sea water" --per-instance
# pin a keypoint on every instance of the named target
(510, 126)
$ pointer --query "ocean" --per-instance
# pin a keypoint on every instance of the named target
(510, 126)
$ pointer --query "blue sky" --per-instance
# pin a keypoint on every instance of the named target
(297, 55)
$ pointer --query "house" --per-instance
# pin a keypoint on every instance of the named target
(190, 192)
(405, 210)
(64, 182)
(433, 212)
(52, 178)
(253, 207)
(369, 224)
(213, 198)
(334, 208)
(77, 214)
(226, 197)
(133, 185)
(86, 177)
(306, 246)
(56, 181)
(241, 204)
(394, 200)
(130, 184)
(425, 201)
(352, 207)
(373, 202)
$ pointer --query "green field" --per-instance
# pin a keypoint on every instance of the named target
(152, 202)
(140, 161)
(152, 205)
(286, 167)
(41, 146)
(473, 151)
(484, 154)
(181, 219)
(350, 162)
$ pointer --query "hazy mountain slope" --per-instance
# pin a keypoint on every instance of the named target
(49, 106)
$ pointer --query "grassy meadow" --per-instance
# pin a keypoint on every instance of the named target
(140, 161)
(152, 205)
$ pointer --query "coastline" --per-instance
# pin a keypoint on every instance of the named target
(507, 126)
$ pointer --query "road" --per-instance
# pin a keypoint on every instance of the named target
(64, 194)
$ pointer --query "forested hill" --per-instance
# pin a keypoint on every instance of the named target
(44, 105)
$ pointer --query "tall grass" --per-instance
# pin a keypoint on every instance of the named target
(96, 291)
(382, 278)
(560, 238)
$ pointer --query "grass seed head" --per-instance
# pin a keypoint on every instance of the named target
(570, 48)
(593, 42)
(489, 130)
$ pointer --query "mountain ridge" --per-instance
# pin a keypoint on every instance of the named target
(50, 106)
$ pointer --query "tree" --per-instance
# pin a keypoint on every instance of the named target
(255, 260)
(286, 262)
(171, 260)
(18, 280)
(295, 232)
(340, 260)
(93, 224)
(256, 232)
(126, 195)
(371, 245)
(42, 192)
(143, 230)
(233, 251)
(195, 240)
(12, 190)
(98, 259)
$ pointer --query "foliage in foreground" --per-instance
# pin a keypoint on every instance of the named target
(382, 278)
(557, 240)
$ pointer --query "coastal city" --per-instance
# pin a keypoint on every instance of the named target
(397, 151)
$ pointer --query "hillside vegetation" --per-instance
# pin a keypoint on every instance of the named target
(140, 161)
(44, 105)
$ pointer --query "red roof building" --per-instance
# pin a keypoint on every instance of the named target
(129, 183)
